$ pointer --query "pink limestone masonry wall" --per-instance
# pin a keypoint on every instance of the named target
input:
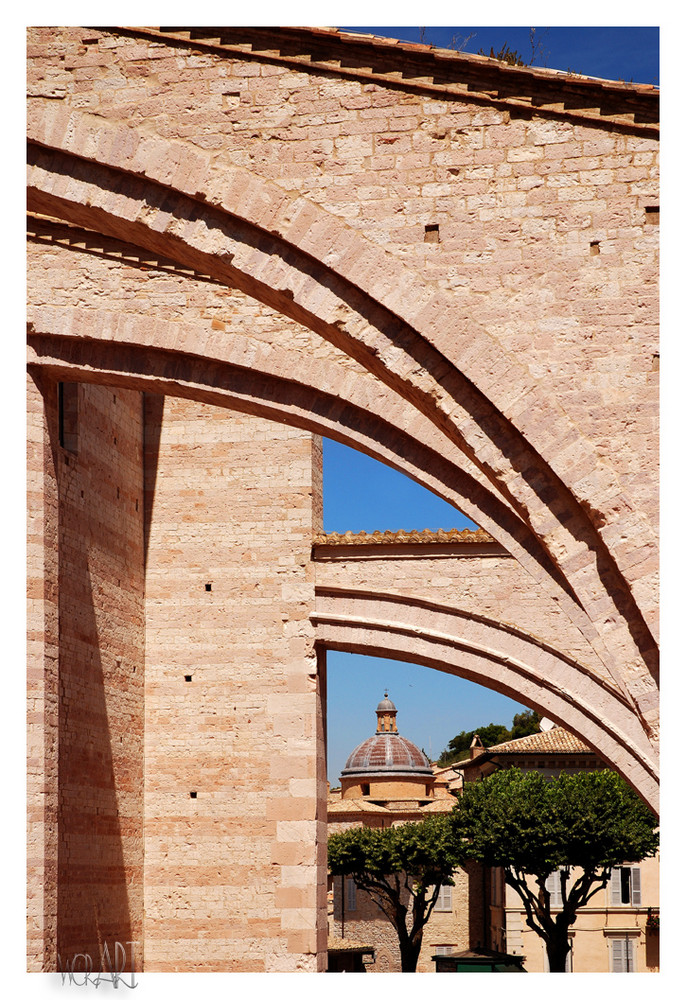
(42, 678)
(553, 424)
(480, 580)
(91, 560)
(468, 608)
(232, 701)
(574, 295)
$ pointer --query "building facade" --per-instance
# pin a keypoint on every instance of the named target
(618, 930)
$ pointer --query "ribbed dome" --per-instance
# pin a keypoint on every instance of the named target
(386, 705)
(386, 753)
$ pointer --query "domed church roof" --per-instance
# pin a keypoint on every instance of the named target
(387, 752)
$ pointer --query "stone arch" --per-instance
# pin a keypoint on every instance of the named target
(254, 378)
(522, 668)
(498, 656)
(169, 198)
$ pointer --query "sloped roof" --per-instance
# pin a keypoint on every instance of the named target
(556, 740)
(442, 805)
(345, 807)
(347, 944)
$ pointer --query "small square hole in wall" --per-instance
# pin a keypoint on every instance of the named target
(208, 586)
(594, 248)
(188, 678)
(432, 233)
(194, 795)
(651, 215)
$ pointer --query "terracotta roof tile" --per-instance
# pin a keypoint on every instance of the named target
(386, 753)
(345, 807)
(472, 57)
(424, 537)
(347, 944)
(444, 805)
(556, 740)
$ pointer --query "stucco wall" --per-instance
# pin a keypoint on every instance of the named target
(596, 925)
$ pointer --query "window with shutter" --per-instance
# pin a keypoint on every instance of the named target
(626, 887)
(636, 887)
(622, 954)
(553, 886)
(444, 901)
(351, 899)
(615, 887)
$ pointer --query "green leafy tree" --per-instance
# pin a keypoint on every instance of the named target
(459, 747)
(581, 825)
(524, 723)
(402, 868)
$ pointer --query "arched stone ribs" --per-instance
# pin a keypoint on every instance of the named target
(208, 180)
(497, 656)
(299, 285)
(253, 380)
(251, 377)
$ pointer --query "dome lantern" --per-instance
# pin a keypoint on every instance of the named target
(386, 715)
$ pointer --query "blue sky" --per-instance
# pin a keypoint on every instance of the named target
(614, 53)
(363, 495)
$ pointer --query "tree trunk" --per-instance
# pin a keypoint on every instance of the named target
(410, 953)
(557, 948)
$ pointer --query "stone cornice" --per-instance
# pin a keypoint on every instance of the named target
(526, 90)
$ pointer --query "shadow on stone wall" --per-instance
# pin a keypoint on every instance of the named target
(99, 876)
